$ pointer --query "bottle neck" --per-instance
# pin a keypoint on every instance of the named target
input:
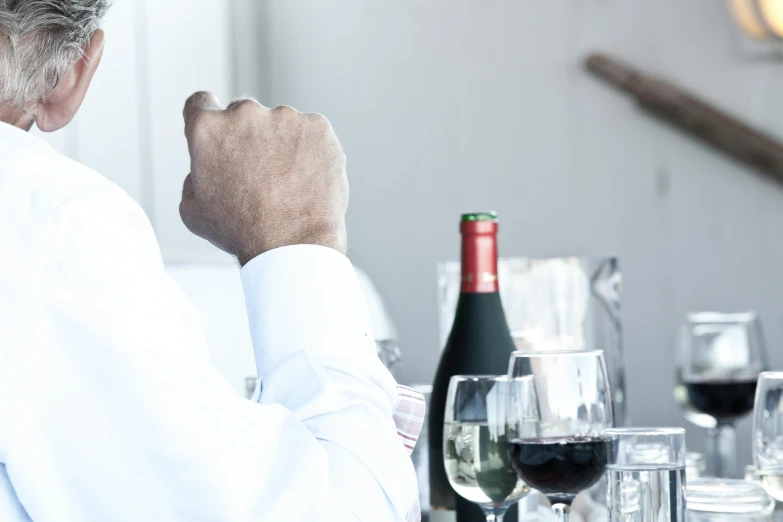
(479, 257)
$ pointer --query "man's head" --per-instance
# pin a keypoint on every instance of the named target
(49, 51)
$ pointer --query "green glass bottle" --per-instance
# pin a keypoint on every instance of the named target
(479, 343)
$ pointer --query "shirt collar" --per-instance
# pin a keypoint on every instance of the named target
(10, 134)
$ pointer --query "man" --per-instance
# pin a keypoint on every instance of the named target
(109, 409)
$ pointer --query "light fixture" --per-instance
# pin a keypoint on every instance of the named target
(748, 16)
(772, 11)
(759, 19)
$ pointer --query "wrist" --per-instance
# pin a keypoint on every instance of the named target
(332, 237)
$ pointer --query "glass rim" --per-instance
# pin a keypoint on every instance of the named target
(740, 496)
(716, 317)
(646, 431)
(477, 378)
(548, 353)
(770, 375)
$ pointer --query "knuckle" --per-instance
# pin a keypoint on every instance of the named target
(197, 102)
(320, 122)
(285, 111)
(196, 99)
(198, 95)
(246, 105)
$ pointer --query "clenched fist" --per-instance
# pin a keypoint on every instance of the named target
(262, 178)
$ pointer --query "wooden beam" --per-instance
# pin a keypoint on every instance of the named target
(698, 118)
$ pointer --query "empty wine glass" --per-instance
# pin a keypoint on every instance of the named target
(768, 433)
(559, 407)
(719, 359)
(475, 450)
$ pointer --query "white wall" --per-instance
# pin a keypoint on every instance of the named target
(452, 105)
(188, 48)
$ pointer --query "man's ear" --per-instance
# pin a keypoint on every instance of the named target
(62, 103)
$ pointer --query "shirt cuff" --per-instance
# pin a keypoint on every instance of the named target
(304, 297)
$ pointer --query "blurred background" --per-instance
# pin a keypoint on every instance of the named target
(452, 106)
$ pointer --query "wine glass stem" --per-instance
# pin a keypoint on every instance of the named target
(722, 451)
(496, 515)
(562, 512)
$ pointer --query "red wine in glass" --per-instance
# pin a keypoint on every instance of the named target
(560, 468)
(724, 399)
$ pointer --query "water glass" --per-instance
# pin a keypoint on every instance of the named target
(768, 433)
(725, 500)
(645, 474)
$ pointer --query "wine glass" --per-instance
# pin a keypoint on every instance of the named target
(475, 451)
(559, 407)
(720, 357)
(768, 433)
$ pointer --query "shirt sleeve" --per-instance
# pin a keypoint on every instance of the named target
(121, 417)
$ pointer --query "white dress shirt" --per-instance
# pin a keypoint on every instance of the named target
(109, 408)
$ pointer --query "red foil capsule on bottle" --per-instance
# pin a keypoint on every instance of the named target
(479, 256)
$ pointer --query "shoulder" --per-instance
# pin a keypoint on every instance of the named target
(39, 186)
(31, 168)
(66, 230)
(83, 219)
(55, 208)
(102, 226)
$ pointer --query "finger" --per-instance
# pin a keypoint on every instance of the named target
(197, 103)
(190, 218)
(187, 188)
(188, 211)
(243, 101)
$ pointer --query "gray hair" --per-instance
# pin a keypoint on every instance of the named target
(40, 40)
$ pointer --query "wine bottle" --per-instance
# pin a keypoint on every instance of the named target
(479, 343)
